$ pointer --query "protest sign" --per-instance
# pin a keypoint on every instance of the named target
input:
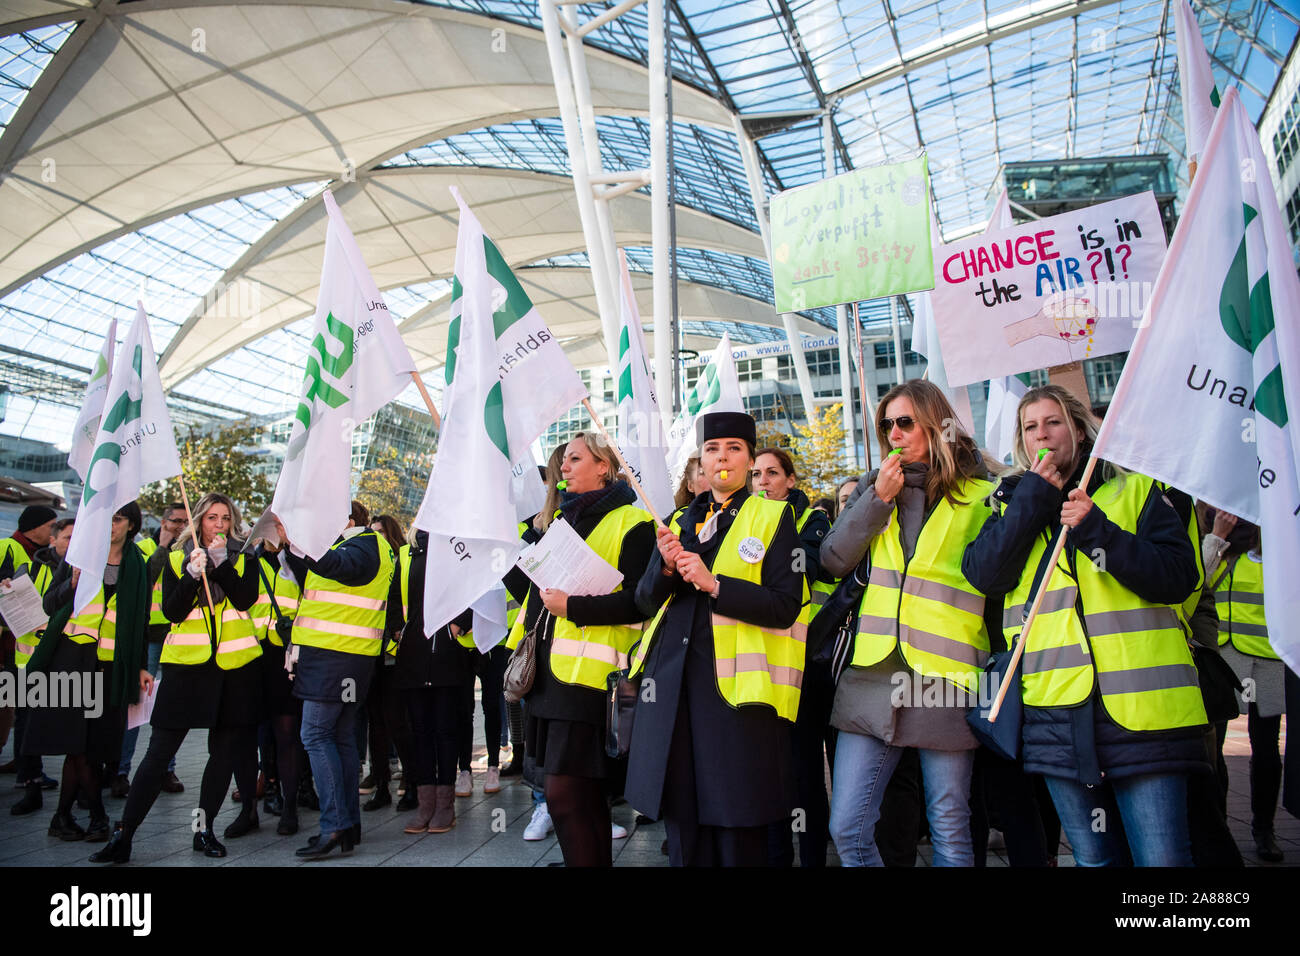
(860, 235)
(1048, 292)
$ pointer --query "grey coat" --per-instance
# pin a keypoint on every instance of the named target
(877, 700)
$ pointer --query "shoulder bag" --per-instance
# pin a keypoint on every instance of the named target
(522, 666)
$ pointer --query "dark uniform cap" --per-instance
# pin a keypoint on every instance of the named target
(728, 425)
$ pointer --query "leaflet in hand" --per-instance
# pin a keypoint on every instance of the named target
(563, 561)
(20, 606)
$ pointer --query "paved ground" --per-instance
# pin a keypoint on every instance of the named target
(488, 832)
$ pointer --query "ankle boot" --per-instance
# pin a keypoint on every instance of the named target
(426, 793)
(117, 849)
(288, 824)
(66, 828)
(444, 813)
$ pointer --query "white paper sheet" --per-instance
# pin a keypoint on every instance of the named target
(563, 561)
(138, 714)
(20, 606)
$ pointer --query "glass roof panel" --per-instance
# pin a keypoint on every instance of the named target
(23, 57)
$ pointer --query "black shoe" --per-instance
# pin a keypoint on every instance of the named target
(30, 803)
(353, 831)
(318, 849)
(172, 784)
(273, 805)
(206, 843)
(1266, 847)
(408, 801)
(288, 824)
(66, 828)
(117, 850)
(379, 799)
(243, 824)
(120, 787)
(513, 769)
(98, 831)
(307, 798)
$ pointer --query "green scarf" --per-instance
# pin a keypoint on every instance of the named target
(132, 597)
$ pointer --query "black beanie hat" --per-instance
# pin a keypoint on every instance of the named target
(34, 516)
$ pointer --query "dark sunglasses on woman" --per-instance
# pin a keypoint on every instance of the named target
(904, 422)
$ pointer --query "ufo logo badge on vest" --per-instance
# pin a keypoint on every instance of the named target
(751, 550)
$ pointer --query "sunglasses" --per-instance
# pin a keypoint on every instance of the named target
(904, 422)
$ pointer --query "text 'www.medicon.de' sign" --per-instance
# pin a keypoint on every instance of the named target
(860, 235)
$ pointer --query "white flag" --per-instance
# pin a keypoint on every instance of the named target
(1001, 217)
(135, 445)
(1202, 403)
(92, 406)
(1000, 418)
(356, 364)
(717, 390)
(640, 427)
(508, 379)
(1200, 95)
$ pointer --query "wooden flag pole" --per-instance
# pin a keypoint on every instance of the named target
(1038, 600)
(424, 393)
(623, 462)
(189, 516)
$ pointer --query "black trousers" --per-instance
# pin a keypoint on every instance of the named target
(1005, 797)
(1265, 768)
(389, 725)
(490, 668)
(814, 743)
(435, 721)
(1207, 822)
(231, 750)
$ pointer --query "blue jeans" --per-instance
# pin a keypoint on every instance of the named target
(131, 736)
(1138, 820)
(863, 766)
(329, 736)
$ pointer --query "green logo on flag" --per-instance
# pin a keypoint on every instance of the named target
(1247, 316)
(517, 303)
(319, 361)
(706, 391)
(625, 377)
(124, 410)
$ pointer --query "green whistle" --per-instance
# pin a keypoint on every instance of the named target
(562, 484)
(896, 451)
(1042, 453)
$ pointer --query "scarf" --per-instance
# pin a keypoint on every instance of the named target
(133, 605)
(598, 502)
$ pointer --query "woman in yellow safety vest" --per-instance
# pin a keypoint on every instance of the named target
(1113, 714)
(581, 639)
(921, 636)
(775, 479)
(721, 663)
(211, 678)
(103, 647)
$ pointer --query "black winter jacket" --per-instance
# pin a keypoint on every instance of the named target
(1158, 564)
(438, 661)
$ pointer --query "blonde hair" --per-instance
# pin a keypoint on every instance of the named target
(600, 449)
(237, 529)
(684, 494)
(1080, 417)
(951, 462)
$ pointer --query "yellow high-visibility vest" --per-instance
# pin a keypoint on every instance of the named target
(1240, 602)
(285, 588)
(752, 665)
(190, 641)
(1090, 629)
(346, 619)
(925, 606)
(25, 644)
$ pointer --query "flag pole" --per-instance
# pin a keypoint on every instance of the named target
(862, 391)
(189, 516)
(424, 393)
(1038, 600)
(619, 455)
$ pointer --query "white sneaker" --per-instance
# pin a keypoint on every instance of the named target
(464, 784)
(493, 782)
(619, 831)
(540, 825)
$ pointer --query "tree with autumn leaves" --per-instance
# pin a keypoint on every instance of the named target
(817, 449)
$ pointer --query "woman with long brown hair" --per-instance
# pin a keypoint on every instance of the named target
(921, 634)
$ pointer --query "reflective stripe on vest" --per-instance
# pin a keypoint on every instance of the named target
(585, 656)
(190, 641)
(346, 619)
(752, 665)
(1137, 649)
(820, 590)
(925, 606)
(1240, 602)
(97, 622)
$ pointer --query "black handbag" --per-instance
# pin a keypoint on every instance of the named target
(283, 625)
(1003, 735)
(621, 693)
(1219, 684)
(838, 614)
